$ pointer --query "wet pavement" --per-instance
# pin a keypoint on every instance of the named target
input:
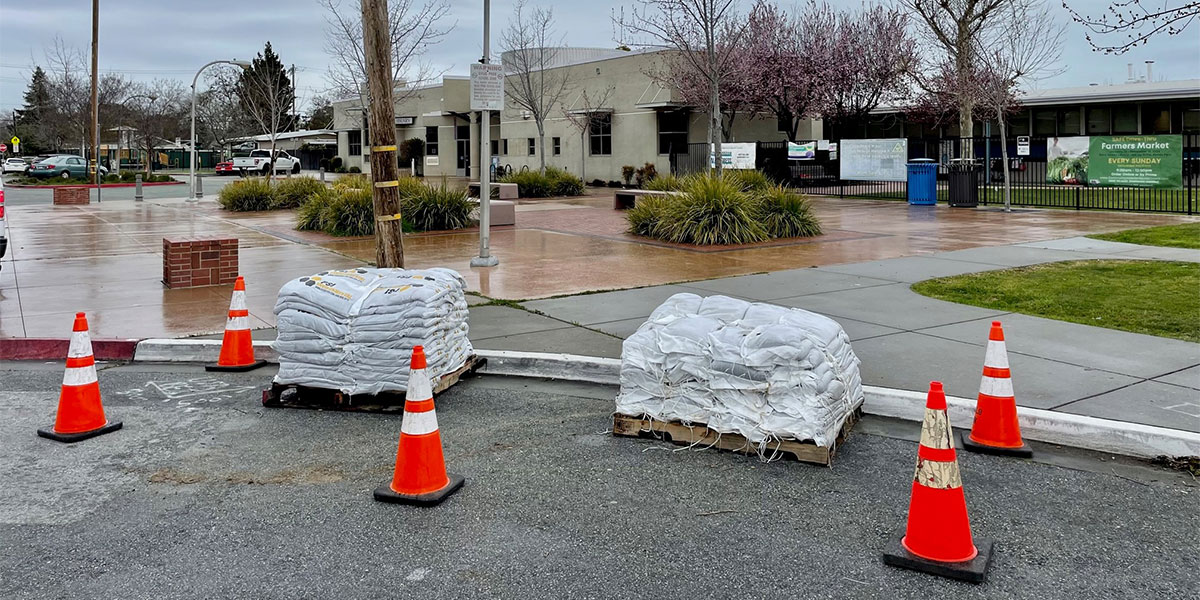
(106, 258)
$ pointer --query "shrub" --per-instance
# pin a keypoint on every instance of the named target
(614, 184)
(112, 178)
(597, 183)
(335, 163)
(747, 179)
(563, 183)
(412, 148)
(645, 216)
(246, 195)
(711, 211)
(645, 175)
(323, 164)
(294, 192)
(665, 183)
(357, 182)
(311, 216)
(128, 176)
(627, 173)
(348, 212)
(355, 169)
(784, 213)
(437, 209)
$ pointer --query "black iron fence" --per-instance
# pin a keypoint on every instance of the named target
(1033, 181)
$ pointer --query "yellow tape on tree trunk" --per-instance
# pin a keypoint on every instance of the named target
(387, 184)
(383, 149)
(382, 218)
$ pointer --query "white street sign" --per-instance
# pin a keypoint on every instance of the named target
(1022, 145)
(487, 87)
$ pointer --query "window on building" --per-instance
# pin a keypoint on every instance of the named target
(1098, 120)
(1156, 118)
(495, 147)
(1068, 122)
(431, 141)
(354, 139)
(600, 135)
(1044, 123)
(1018, 123)
(532, 144)
(1189, 120)
(672, 131)
(1125, 118)
(556, 143)
(504, 146)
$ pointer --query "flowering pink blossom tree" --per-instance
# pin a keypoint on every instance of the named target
(871, 58)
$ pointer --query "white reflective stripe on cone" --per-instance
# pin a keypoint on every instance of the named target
(419, 423)
(238, 302)
(935, 430)
(418, 386)
(938, 475)
(996, 387)
(81, 345)
(80, 375)
(997, 356)
(238, 323)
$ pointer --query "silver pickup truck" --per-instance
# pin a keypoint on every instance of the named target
(259, 162)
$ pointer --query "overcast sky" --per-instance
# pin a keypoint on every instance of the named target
(145, 39)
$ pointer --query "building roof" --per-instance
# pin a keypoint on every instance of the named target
(1121, 92)
(303, 133)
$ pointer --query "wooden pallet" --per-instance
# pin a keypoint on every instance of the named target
(701, 436)
(287, 395)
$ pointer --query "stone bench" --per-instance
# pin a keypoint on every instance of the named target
(626, 199)
(504, 212)
(504, 191)
(193, 262)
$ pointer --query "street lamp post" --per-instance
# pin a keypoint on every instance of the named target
(192, 151)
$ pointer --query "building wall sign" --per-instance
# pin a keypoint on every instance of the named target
(883, 159)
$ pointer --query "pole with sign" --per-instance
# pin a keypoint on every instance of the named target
(1022, 145)
(16, 142)
(487, 94)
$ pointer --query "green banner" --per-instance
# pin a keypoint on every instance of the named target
(1150, 161)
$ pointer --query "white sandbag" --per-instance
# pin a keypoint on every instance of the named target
(763, 371)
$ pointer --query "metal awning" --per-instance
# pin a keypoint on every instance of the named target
(663, 105)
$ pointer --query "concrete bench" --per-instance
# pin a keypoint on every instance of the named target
(504, 191)
(626, 199)
(504, 212)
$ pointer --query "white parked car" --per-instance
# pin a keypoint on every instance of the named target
(15, 165)
(259, 162)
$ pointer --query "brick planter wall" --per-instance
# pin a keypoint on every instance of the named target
(191, 262)
(69, 196)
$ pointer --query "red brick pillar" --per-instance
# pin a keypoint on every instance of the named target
(189, 262)
(71, 196)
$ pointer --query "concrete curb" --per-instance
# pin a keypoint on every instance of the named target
(1064, 429)
(56, 349)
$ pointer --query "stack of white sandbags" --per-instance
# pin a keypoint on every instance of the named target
(763, 371)
(354, 330)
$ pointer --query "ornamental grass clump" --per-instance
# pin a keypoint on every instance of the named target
(747, 180)
(437, 209)
(350, 212)
(711, 211)
(294, 192)
(246, 195)
(645, 216)
(785, 213)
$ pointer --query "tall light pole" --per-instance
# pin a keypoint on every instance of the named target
(192, 186)
(96, 93)
(485, 258)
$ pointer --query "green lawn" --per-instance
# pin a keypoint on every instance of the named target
(1152, 297)
(1186, 235)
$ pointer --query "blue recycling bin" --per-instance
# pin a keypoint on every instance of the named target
(922, 181)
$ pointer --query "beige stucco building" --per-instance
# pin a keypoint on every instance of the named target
(639, 122)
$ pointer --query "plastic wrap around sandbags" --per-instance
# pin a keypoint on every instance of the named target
(354, 330)
(763, 371)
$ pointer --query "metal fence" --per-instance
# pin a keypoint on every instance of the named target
(1027, 174)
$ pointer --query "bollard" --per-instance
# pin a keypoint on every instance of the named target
(412, 166)
(137, 187)
(199, 186)
(322, 174)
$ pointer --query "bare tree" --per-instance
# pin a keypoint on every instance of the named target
(70, 91)
(157, 111)
(219, 116)
(587, 108)
(870, 59)
(1025, 50)
(955, 28)
(1137, 22)
(413, 28)
(265, 94)
(692, 27)
(741, 89)
(530, 55)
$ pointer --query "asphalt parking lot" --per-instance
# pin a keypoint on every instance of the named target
(205, 493)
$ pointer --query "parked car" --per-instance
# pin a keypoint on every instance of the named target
(63, 165)
(259, 162)
(15, 165)
(225, 167)
(3, 224)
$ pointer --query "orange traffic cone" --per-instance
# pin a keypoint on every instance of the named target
(420, 476)
(938, 538)
(995, 430)
(80, 414)
(237, 347)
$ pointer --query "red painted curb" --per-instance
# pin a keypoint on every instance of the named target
(92, 186)
(56, 349)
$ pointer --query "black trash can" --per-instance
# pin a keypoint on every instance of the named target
(964, 183)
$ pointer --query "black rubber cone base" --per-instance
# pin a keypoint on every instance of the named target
(385, 493)
(48, 432)
(967, 444)
(237, 368)
(974, 570)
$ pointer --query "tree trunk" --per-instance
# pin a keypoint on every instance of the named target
(1004, 157)
(542, 147)
(714, 127)
(583, 155)
(389, 241)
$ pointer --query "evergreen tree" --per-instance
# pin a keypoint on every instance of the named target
(265, 88)
(35, 120)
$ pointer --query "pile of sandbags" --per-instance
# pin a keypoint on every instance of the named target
(763, 371)
(354, 330)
